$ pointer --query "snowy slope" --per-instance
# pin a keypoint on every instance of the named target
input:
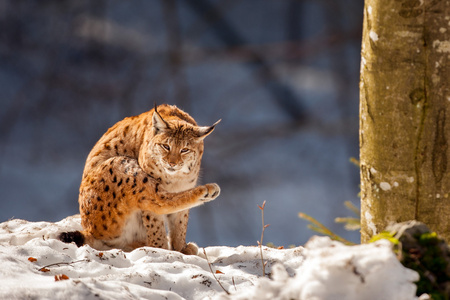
(324, 269)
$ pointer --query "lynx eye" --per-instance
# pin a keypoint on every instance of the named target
(165, 147)
(184, 150)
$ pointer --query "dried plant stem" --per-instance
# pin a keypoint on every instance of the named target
(352, 208)
(64, 263)
(319, 227)
(212, 272)
(260, 243)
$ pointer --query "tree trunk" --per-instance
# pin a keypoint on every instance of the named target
(405, 102)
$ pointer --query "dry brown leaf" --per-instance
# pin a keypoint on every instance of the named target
(61, 277)
(32, 259)
(44, 270)
(218, 272)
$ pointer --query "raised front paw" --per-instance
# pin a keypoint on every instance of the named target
(211, 192)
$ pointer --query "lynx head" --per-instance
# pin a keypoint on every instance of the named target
(177, 141)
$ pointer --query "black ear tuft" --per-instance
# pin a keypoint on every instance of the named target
(206, 130)
(73, 236)
(158, 123)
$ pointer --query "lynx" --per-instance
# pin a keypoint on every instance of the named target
(140, 178)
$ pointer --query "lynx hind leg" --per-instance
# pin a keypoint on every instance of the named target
(97, 244)
(177, 224)
(156, 230)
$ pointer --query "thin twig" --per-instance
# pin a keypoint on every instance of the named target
(63, 263)
(234, 284)
(210, 268)
(260, 243)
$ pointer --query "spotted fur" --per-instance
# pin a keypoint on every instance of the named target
(140, 178)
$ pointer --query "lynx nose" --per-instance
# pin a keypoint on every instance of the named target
(172, 160)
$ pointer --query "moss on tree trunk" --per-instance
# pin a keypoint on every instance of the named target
(404, 113)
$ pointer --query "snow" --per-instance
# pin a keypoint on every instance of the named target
(385, 186)
(370, 223)
(441, 46)
(323, 269)
(373, 35)
(334, 271)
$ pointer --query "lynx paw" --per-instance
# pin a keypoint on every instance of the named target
(190, 249)
(212, 191)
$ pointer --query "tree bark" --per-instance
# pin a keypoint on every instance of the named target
(404, 106)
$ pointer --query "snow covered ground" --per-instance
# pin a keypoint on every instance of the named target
(34, 265)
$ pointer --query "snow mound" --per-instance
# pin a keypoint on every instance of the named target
(33, 264)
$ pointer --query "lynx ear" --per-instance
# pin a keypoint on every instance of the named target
(204, 131)
(158, 123)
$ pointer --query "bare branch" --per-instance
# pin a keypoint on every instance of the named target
(212, 272)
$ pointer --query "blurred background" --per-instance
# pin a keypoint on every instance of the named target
(281, 74)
